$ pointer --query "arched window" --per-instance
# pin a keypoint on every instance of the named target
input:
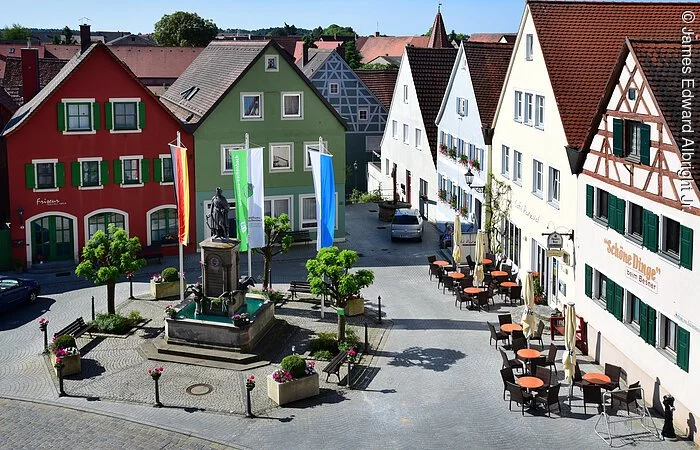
(101, 221)
(164, 226)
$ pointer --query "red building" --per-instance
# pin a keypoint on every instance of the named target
(87, 150)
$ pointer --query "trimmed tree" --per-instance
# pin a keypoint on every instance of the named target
(107, 257)
(277, 241)
(329, 274)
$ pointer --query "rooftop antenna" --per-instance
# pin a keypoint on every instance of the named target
(84, 20)
(439, 5)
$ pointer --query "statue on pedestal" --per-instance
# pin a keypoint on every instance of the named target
(217, 220)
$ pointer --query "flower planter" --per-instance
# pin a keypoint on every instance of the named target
(291, 391)
(355, 307)
(165, 289)
(71, 364)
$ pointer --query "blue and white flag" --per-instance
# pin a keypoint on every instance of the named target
(324, 187)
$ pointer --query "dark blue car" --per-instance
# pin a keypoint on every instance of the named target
(15, 291)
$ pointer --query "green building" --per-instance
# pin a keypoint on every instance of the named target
(235, 88)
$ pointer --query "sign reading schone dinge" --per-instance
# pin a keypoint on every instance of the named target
(636, 269)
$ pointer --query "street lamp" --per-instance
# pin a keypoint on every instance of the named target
(469, 178)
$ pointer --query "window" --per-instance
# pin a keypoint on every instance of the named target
(528, 108)
(307, 207)
(671, 237)
(633, 141)
(669, 332)
(311, 146)
(386, 167)
(505, 161)
(251, 106)
(45, 175)
(333, 88)
(272, 63)
(537, 178)
(125, 116)
(167, 164)
(79, 116)
(634, 305)
(90, 173)
(394, 129)
(101, 221)
(226, 163)
(131, 171)
(601, 286)
(281, 157)
(292, 105)
(602, 205)
(539, 111)
(635, 221)
(518, 107)
(405, 133)
(528, 47)
(418, 138)
(512, 242)
(276, 206)
(163, 225)
(362, 113)
(405, 93)
(554, 186)
(461, 106)
(517, 167)
(632, 93)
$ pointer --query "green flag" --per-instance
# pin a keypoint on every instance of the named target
(239, 159)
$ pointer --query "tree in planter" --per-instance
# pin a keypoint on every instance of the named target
(107, 257)
(275, 228)
(340, 284)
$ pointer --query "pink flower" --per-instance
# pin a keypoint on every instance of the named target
(58, 360)
(352, 352)
(150, 371)
(160, 369)
(252, 377)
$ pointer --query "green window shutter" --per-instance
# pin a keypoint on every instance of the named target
(108, 116)
(643, 318)
(646, 144)
(589, 200)
(157, 170)
(610, 296)
(75, 173)
(145, 170)
(651, 327)
(29, 176)
(619, 301)
(60, 175)
(104, 172)
(620, 220)
(683, 348)
(142, 115)
(96, 116)
(589, 281)
(612, 211)
(61, 121)
(653, 222)
(687, 247)
(117, 171)
(645, 228)
(617, 137)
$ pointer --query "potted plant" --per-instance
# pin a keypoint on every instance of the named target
(475, 164)
(297, 379)
(170, 311)
(64, 348)
(442, 194)
(537, 290)
(453, 202)
(464, 160)
(240, 320)
(453, 153)
(464, 211)
(443, 149)
(166, 284)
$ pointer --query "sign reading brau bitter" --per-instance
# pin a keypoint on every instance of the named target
(555, 241)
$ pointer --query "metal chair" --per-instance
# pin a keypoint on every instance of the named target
(471, 262)
(512, 363)
(518, 344)
(578, 377)
(518, 396)
(549, 397)
(482, 299)
(537, 363)
(461, 297)
(449, 284)
(552, 358)
(543, 374)
(434, 270)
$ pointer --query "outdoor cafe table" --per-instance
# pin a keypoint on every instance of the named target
(528, 353)
(486, 261)
(510, 327)
(499, 273)
(596, 378)
(441, 263)
(456, 275)
(530, 383)
(509, 284)
(472, 290)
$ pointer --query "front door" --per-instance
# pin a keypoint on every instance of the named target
(52, 239)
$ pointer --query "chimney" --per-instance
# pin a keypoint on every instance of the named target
(84, 38)
(30, 73)
(304, 55)
(376, 34)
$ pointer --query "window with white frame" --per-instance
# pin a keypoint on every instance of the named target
(537, 177)
(251, 105)
(394, 129)
(131, 170)
(272, 63)
(45, 174)
(505, 161)
(554, 193)
(528, 46)
(418, 138)
(281, 157)
(386, 167)
(669, 330)
(539, 111)
(461, 106)
(125, 115)
(518, 106)
(101, 221)
(405, 93)
(166, 162)
(311, 146)
(90, 172)
(276, 206)
(405, 133)
(512, 242)
(164, 225)
(226, 162)
(307, 209)
(292, 105)
(333, 88)
(528, 108)
(517, 167)
(79, 116)
(362, 114)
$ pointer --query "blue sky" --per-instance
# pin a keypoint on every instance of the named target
(395, 17)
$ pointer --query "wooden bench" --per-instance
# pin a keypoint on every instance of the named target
(303, 287)
(76, 328)
(153, 251)
(300, 236)
(333, 367)
(556, 327)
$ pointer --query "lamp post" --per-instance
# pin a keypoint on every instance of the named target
(354, 168)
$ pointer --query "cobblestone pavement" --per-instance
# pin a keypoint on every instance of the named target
(433, 383)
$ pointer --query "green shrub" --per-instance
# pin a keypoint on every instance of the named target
(135, 317)
(170, 274)
(324, 342)
(65, 341)
(365, 197)
(112, 323)
(351, 340)
(295, 365)
(322, 355)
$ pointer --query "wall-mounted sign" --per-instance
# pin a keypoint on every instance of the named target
(636, 269)
(558, 253)
(687, 322)
(50, 202)
(555, 241)
(522, 207)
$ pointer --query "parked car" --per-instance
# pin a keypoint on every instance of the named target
(15, 291)
(407, 224)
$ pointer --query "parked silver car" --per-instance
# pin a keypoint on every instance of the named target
(407, 224)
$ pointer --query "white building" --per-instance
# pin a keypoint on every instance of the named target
(637, 257)
(551, 93)
(464, 128)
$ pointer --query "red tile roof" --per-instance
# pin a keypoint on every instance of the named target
(431, 69)
(373, 46)
(12, 81)
(493, 37)
(328, 45)
(488, 65)
(581, 40)
(381, 83)
(14, 50)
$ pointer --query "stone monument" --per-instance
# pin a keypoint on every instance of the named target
(219, 257)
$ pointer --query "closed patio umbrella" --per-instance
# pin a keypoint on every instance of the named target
(480, 254)
(457, 251)
(529, 311)
(569, 361)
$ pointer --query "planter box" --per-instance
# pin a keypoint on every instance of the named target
(355, 307)
(291, 391)
(71, 364)
(165, 290)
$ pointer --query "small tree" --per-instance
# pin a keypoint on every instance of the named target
(15, 33)
(275, 228)
(329, 274)
(108, 256)
(68, 36)
(352, 56)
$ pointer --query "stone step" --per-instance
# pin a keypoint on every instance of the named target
(199, 352)
(149, 350)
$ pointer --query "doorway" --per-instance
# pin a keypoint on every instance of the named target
(52, 239)
(408, 186)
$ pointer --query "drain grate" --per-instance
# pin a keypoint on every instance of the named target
(199, 389)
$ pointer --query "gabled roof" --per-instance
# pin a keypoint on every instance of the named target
(373, 46)
(430, 69)
(580, 41)
(132, 39)
(493, 37)
(488, 65)
(7, 102)
(215, 72)
(316, 59)
(320, 45)
(438, 35)
(12, 81)
(14, 49)
(381, 83)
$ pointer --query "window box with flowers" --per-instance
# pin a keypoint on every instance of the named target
(464, 211)
(453, 203)
(464, 160)
(453, 153)
(296, 380)
(443, 150)
(64, 348)
(442, 195)
(166, 284)
(475, 164)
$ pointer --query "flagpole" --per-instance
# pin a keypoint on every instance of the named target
(250, 259)
(180, 251)
(318, 227)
